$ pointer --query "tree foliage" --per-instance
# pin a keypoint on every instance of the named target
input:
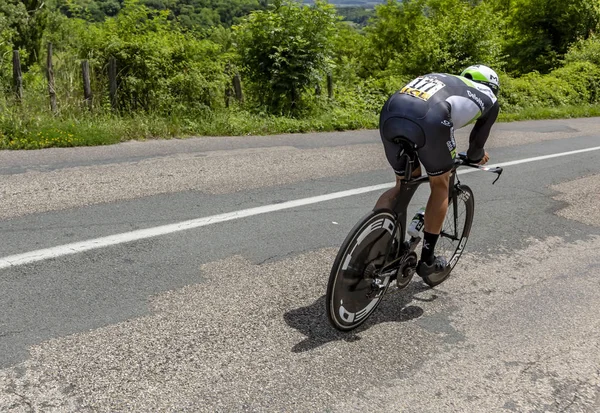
(160, 67)
(541, 31)
(177, 56)
(285, 50)
(416, 36)
(585, 50)
(191, 14)
(23, 23)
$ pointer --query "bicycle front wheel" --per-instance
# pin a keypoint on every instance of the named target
(352, 292)
(455, 231)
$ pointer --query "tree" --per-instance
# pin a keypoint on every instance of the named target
(541, 31)
(286, 49)
(418, 36)
(202, 14)
(26, 21)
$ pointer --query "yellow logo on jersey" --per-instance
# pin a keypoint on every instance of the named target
(415, 92)
(423, 87)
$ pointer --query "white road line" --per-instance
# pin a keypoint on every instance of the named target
(76, 247)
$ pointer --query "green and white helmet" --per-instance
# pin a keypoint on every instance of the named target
(484, 75)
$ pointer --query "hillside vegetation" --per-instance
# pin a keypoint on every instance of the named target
(302, 67)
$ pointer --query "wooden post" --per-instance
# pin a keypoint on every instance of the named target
(237, 87)
(294, 98)
(112, 79)
(87, 87)
(228, 86)
(329, 86)
(228, 94)
(51, 88)
(17, 76)
(318, 89)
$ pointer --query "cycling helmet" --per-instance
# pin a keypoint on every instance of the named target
(484, 75)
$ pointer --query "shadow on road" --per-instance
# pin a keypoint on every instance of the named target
(312, 321)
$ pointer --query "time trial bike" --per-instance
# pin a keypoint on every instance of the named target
(377, 252)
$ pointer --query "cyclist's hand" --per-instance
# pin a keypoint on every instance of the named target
(485, 159)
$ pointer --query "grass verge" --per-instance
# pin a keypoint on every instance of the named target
(558, 112)
(18, 131)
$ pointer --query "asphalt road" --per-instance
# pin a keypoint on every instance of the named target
(230, 317)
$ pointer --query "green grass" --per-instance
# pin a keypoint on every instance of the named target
(21, 131)
(560, 112)
(44, 131)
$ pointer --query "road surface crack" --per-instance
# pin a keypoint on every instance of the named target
(10, 333)
(278, 256)
(22, 398)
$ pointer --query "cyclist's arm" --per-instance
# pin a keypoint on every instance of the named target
(481, 132)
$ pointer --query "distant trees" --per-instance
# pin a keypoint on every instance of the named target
(191, 14)
(358, 15)
(180, 55)
(91, 10)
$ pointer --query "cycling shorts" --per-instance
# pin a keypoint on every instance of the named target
(428, 128)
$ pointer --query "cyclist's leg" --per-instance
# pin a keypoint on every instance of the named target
(437, 205)
(435, 213)
(437, 156)
(388, 199)
(439, 149)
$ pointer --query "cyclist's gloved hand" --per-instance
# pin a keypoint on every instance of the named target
(482, 161)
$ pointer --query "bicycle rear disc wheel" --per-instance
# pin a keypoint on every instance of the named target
(351, 296)
(455, 232)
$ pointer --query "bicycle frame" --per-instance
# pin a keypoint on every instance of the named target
(408, 188)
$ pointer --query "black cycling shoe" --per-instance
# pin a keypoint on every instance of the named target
(439, 265)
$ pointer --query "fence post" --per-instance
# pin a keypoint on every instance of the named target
(112, 79)
(228, 94)
(87, 88)
(329, 86)
(17, 76)
(237, 87)
(51, 87)
(228, 86)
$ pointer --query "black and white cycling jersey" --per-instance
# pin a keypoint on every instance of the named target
(428, 109)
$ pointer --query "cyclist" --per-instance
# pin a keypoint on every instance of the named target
(425, 112)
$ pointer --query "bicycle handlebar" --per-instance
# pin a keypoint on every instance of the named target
(462, 160)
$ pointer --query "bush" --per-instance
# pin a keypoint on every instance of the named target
(584, 77)
(534, 90)
(574, 84)
(285, 50)
(160, 67)
(587, 50)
